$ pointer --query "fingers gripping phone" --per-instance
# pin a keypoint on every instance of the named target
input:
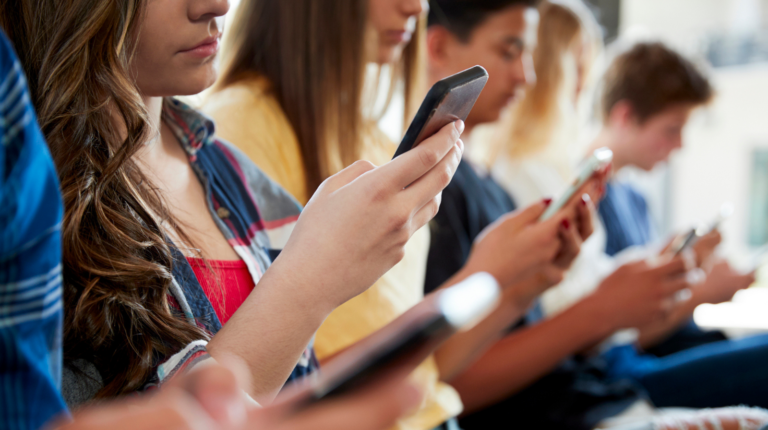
(693, 235)
(599, 160)
(448, 100)
(410, 339)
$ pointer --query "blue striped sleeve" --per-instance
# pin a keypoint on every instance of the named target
(30, 260)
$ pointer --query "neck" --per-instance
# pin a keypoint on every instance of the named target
(608, 139)
(155, 110)
(152, 149)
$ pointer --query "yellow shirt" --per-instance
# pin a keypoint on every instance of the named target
(250, 118)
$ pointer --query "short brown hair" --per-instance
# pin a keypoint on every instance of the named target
(653, 77)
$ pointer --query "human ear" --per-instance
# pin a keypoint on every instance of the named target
(439, 41)
(622, 115)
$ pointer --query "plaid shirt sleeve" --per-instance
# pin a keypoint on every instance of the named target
(30, 260)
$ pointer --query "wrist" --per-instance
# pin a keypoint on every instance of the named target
(310, 295)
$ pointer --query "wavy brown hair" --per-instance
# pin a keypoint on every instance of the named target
(117, 262)
(314, 55)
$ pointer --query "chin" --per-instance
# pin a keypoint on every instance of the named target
(194, 85)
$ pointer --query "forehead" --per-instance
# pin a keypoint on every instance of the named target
(512, 24)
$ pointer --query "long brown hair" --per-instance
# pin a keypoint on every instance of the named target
(314, 55)
(534, 120)
(117, 262)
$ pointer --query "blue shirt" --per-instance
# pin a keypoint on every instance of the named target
(625, 215)
(30, 260)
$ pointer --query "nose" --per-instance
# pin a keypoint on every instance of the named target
(413, 7)
(529, 69)
(204, 10)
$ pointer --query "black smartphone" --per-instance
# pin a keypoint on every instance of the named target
(448, 100)
(396, 350)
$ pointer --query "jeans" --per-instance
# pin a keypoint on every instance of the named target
(725, 373)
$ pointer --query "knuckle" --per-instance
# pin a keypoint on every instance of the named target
(399, 221)
(439, 199)
(364, 165)
(379, 193)
(428, 157)
(455, 135)
(434, 207)
(445, 177)
(399, 254)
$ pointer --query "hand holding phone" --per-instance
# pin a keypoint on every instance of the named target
(599, 160)
(692, 236)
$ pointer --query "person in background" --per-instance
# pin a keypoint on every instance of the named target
(30, 319)
(305, 116)
(669, 78)
(148, 190)
(535, 150)
(644, 127)
(534, 377)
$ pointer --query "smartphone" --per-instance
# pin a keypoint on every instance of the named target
(600, 159)
(448, 100)
(403, 344)
(693, 235)
(683, 242)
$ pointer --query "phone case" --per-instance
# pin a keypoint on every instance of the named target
(447, 101)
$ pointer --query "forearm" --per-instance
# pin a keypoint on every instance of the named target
(528, 354)
(272, 328)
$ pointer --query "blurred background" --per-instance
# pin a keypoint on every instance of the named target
(725, 157)
(725, 154)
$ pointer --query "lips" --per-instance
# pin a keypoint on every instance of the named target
(205, 49)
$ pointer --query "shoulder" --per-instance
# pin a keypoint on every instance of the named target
(251, 90)
(273, 201)
(250, 100)
(623, 190)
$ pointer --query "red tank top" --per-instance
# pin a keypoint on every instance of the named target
(230, 290)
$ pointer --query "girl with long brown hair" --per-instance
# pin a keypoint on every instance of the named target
(297, 94)
(167, 229)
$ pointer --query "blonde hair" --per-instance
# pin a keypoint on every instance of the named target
(531, 125)
(313, 53)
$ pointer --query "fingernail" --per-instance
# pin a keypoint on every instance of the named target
(460, 126)
(566, 224)
(585, 199)
(461, 145)
(547, 201)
